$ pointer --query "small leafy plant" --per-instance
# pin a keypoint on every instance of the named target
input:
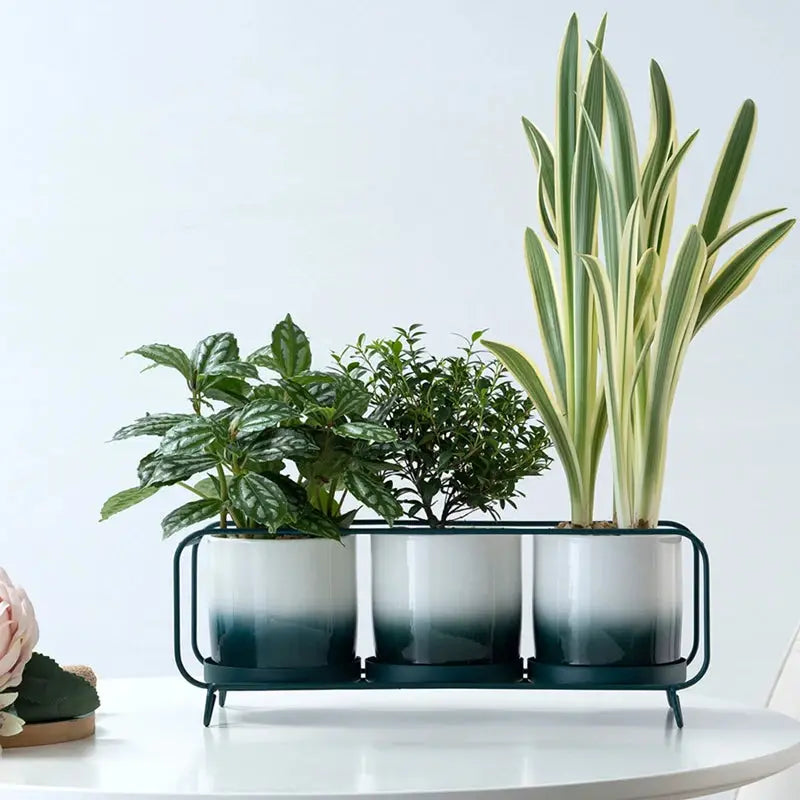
(244, 433)
(467, 435)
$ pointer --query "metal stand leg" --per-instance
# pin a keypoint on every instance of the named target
(223, 696)
(675, 704)
(211, 696)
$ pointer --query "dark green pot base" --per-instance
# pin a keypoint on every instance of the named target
(434, 675)
(571, 676)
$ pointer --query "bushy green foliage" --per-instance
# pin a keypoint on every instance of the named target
(467, 435)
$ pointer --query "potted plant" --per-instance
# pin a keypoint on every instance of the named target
(616, 326)
(467, 437)
(275, 459)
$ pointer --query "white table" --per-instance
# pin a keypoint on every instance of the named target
(457, 745)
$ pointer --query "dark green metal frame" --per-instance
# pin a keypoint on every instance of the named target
(670, 678)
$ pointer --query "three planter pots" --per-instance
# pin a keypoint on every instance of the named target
(447, 607)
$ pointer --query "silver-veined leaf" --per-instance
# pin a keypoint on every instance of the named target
(368, 431)
(150, 425)
(283, 443)
(233, 369)
(165, 355)
(291, 352)
(125, 499)
(259, 415)
(374, 494)
(351, 398)
(259, 499)
(192, 435)
(189, 514)
(315, 523)
(166, 470)
(219, 348)
(232, 391)
(262, 357)
(208, 487)
(738, 272)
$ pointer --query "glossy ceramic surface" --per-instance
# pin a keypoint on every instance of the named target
(458, 745)
(281, 603)
(448, 599)
(607, 600)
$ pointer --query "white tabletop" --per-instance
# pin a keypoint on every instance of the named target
(151, 744)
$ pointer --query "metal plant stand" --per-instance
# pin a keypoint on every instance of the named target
(671, 678)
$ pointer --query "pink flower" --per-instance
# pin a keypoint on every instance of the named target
(18, 632)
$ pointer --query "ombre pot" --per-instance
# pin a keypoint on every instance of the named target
(607, 601)
(283, 603)
(442, 600)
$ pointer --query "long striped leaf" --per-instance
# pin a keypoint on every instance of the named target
(545, 165)
(547, 311)
(661, 132)
(553, 416)
(728, 174)
(609, 207)
(736, 229)
(663, 189)
(647, 276)
(676, 316)
(738, 272)
(622, 135)
(600, 36)
(567, 87)
(614, 385)
(584, 208)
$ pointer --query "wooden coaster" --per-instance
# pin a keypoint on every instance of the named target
(51, 733)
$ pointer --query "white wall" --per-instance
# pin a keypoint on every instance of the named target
(172, 169)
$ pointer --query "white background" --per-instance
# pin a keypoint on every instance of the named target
(168, 170)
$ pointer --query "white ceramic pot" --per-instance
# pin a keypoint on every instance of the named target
(446, 598)
(282, 602)
(607, 600)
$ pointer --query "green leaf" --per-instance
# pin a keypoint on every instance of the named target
(192, 435)
(553, 416)
(662, 190)
(315, 523)
(291, 351)
(351, 399)
(728, 173)
(738, 272)
(624, 155)
(258, 415)
(663, 132)
(368, 431)
(543, 156)
(165, 355)
(167, 470)
(125, 499)
(545, 299)
(373, 494)
(50, 694)
(150, 425)
(259, 499)
(647, 276)
(232, 391)
(263, 357)
(283, 443)
(208, 487)
(209, 353)
(736, 229)
(190, 514)
(233, 369)
(146, 468)
(296, 499)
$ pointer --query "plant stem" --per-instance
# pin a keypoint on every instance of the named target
(191, 489)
